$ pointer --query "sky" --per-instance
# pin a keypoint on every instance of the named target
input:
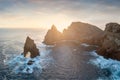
(44, 13)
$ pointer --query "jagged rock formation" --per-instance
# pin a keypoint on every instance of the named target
(83, 32)
(107, 40)
(77, 31)
(52, 36)
(30, 46)
(110, 47)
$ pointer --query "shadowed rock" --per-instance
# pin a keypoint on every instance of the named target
(77, 31)
(83, 32)
(52, 36)
(30, 46)
(110, 47)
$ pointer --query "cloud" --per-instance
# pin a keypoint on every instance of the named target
(60, 5)
(94, 11)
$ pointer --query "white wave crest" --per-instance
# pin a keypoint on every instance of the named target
(19, 64)
(110, 65)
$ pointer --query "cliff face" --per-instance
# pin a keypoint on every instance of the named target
(82, 32)
(52, 36)
(78, 31)
(110, 47)
(30, 46)
(107, 40)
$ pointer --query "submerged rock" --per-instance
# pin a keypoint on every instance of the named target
(78, 32)
(30, 62)
(110, 47)
(30, 46)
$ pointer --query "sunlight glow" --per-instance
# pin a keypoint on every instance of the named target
(38, 21)
(60, 21)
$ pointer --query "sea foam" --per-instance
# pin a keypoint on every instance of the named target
(110, 68)
(19, 63)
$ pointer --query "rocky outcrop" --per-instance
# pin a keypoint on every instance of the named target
(52, 36)
(110, 47)
(83, 32)
(77, 31)
(30, 46)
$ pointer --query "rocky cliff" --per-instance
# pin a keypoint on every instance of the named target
(83, 32)
(30, 46)
(78, 31)
(52, 36)
(110, 46)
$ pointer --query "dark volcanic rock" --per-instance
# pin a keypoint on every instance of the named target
(52, 36)
(77, 31)
(30, 62)
(30, 46)
(110, 47)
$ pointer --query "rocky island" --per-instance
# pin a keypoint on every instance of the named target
(108, 41)
(30, 46)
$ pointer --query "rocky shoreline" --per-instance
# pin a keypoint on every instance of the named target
(107, 41)
(110, 42)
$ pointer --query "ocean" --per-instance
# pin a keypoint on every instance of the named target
(61, 63)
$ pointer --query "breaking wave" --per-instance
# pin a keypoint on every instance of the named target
(110, 69)
(20, 64)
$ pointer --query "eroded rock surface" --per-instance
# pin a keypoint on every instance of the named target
(110, 47)
(52, 36)
(83, 32)
(30, 46)
(77, 31)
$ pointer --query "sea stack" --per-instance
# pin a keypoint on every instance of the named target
(30, 47)
(110, 47)
(52, 36)
(77, 31)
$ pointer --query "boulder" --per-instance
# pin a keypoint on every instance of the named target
(30, 47)
(110, 47)
(52, 36)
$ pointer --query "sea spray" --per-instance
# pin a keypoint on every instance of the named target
(19, 63)
(110, 69)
